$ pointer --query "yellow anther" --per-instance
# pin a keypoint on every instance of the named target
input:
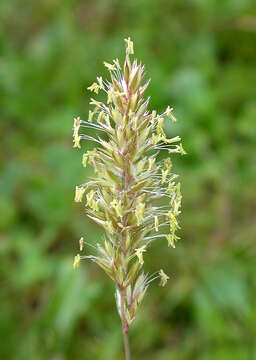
(109, 66)
(164, 175)
(76, 261)
(91, 154)
(100, 81)
(94, 205)
(96, 103)
(169, 113)
(76, 137)
(171, 187)
(172, 221)
(176, 205)
(139, 213)
(169, 141)
(89, 198)
(159, 127)
(172, 140)
(81, 243)
(84, 159)
(75, 133)
(139, 253)
(110, 95)
(76, 141)
(156, 223)
(181, 150)
(91, 113)
(94, 87)
(77, 122)
(170, 238)
(163, 278)
(116, 62)
(79, 193)
(101, 114)
(170, 216)
(129, 46)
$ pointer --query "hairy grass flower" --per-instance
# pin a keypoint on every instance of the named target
(129, 180)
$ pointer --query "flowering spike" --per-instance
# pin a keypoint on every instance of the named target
(123, 196)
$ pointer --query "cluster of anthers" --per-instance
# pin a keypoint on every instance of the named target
(123, 196)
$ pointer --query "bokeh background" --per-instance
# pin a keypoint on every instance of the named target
(201, 56)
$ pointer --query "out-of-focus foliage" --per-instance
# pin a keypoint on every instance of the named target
(201, 56)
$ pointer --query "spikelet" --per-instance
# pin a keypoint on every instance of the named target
(129, 179)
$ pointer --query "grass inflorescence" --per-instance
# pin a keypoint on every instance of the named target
(128, 180)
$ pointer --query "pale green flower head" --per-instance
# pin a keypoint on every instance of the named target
(123, 195)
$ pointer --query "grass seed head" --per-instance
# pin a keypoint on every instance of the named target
(129, 179)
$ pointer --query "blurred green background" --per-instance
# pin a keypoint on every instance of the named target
(201, 56)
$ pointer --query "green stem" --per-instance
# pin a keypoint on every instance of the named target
(126, 346)
(125, 327)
